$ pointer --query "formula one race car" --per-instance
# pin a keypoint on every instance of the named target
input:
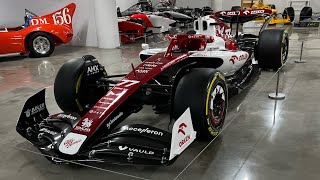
(191, 77)
(308, 19)
(166, 6)
(149, 10)
(40, 34)
(151, 22)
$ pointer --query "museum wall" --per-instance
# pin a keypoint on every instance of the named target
(125, 4)
(226, 5)
(193, 3)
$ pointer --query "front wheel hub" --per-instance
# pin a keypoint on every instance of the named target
(217, 106)
(41, 45)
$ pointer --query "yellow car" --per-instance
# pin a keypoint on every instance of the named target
(285, 18)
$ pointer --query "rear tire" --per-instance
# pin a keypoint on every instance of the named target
(40, 44)
(289, 11)
(196, 89)
(272, 6)
(273, 48)
(305, 13)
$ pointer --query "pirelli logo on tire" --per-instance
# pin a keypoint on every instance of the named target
(222, 77)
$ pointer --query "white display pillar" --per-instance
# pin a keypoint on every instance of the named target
(105, 12)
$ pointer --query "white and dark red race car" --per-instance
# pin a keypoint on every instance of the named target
(152, 22)
(191, 77)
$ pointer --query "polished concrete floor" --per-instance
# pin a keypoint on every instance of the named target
(262, 138)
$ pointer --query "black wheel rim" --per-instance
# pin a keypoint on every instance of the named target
(217, 106)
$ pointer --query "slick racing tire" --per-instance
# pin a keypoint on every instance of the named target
(40, 44)
(305, 13)
(289, 11)
(273, 47)
(206, 11)
(204, 91)
(73, 93)
(235, 8)
(272, 6)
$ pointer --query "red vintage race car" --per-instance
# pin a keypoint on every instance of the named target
(40, 34)
(130, 29)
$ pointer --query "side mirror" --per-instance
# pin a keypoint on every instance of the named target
(145, 46)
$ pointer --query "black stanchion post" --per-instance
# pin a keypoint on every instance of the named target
(301, 52)
(145, 38)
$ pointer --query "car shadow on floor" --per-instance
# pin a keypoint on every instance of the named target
(16, 57)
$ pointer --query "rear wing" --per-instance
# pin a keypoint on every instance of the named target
(242, 16)
(244, 13)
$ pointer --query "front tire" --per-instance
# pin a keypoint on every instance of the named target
(289, 11)
(273, 47)
(272, 6)
(305, 13)
(74, 90)
(204, 90)
(40, 44)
